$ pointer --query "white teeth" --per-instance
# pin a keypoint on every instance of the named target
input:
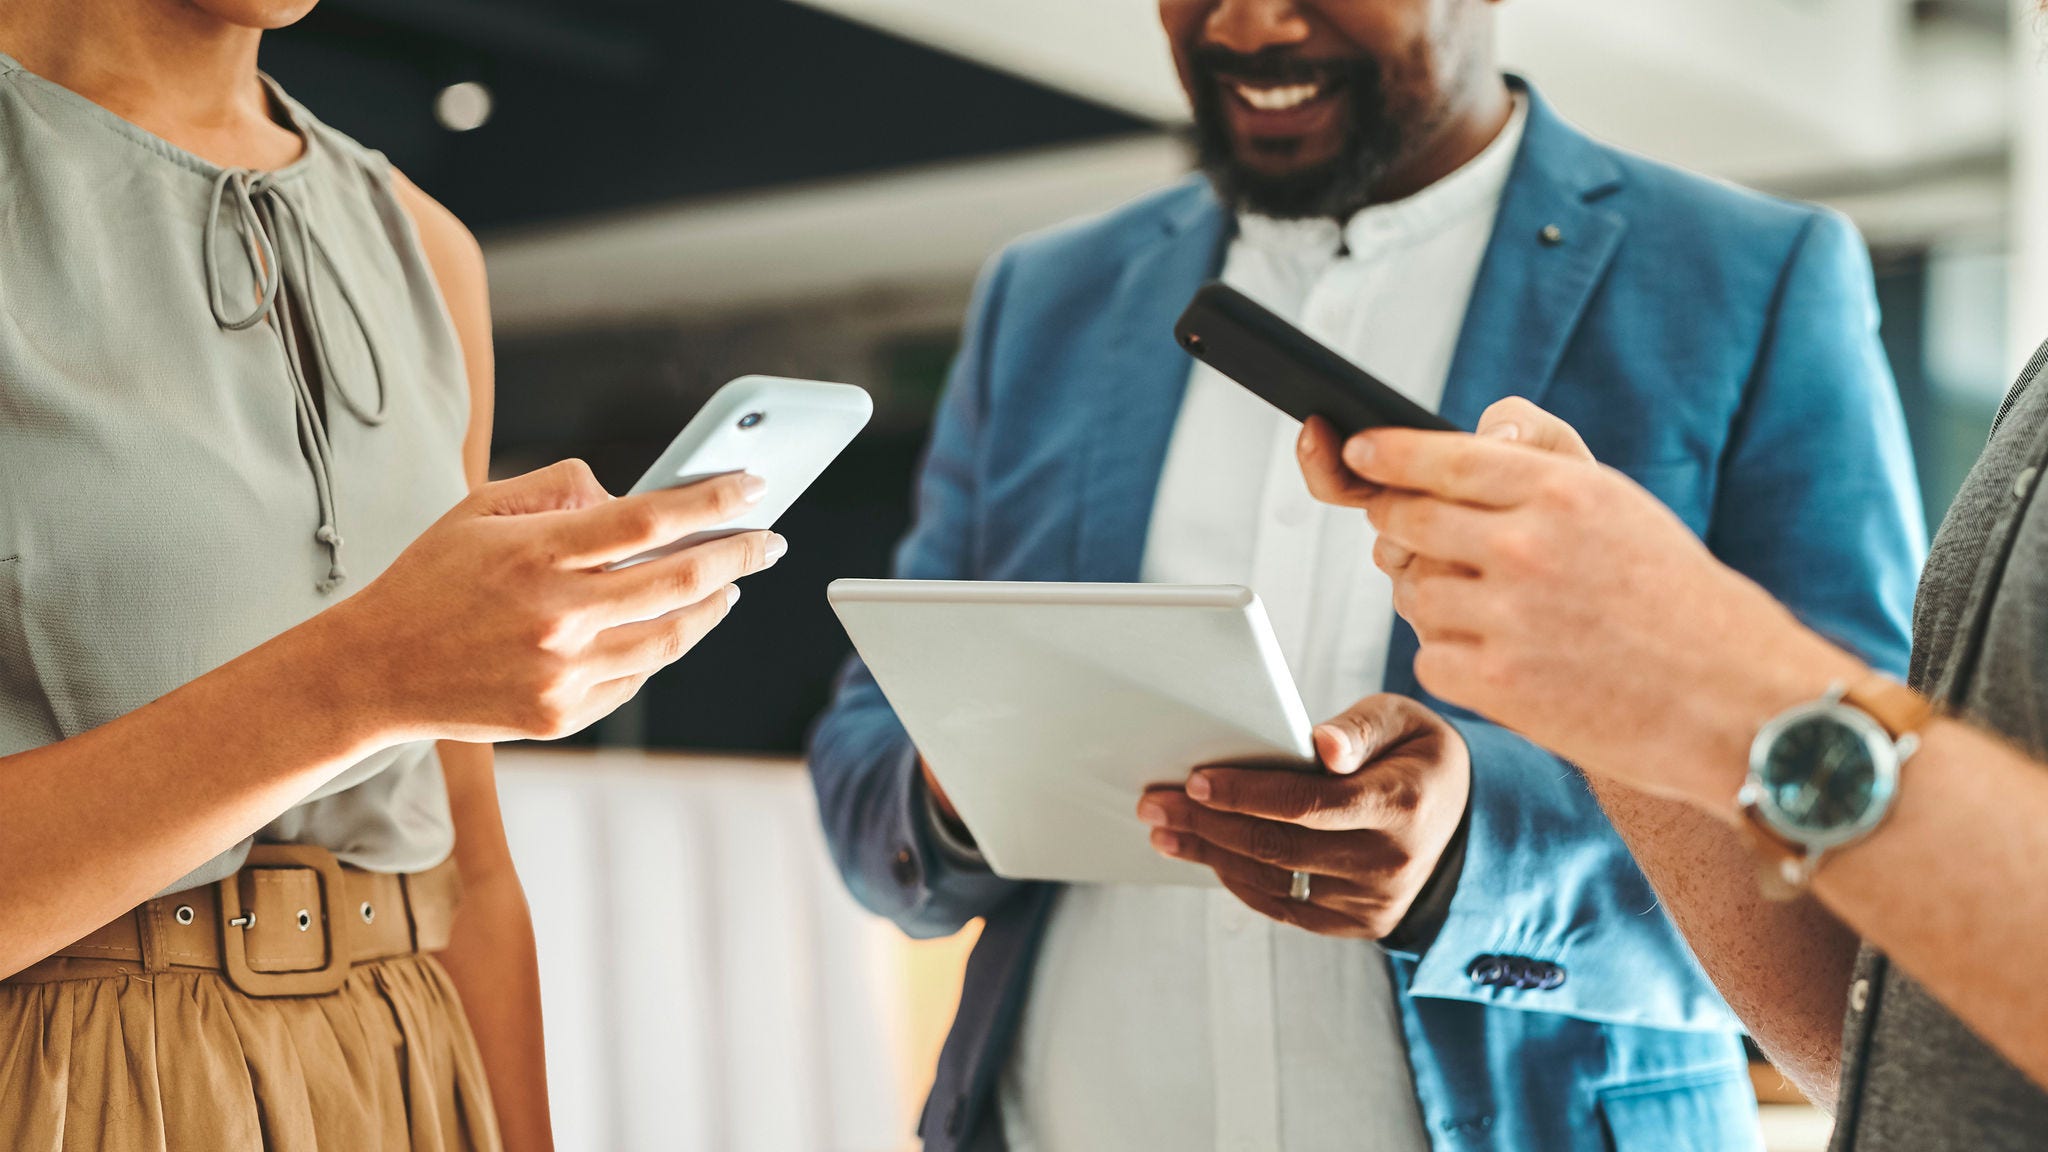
(1278, 99)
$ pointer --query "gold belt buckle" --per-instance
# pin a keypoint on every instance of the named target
(235, 925)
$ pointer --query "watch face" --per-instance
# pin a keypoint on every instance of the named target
(1820, 775)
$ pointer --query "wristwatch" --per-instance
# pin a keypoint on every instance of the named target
(1823, 776)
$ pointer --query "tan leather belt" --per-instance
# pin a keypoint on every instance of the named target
(292, 922)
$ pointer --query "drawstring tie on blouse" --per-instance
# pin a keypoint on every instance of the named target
(263, 211)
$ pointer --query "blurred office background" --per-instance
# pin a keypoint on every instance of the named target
(675, 192)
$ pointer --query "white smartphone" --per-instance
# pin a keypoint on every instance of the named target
(787, 432)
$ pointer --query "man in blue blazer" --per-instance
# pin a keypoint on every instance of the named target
(1440, 943)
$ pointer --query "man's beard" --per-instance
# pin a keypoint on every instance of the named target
(1372, 143)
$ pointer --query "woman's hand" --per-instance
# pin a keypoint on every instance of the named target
(502, 621)
(1563, 601)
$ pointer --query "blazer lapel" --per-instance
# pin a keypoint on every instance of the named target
(1551, 246)
(1132, 410)
(1552, 243)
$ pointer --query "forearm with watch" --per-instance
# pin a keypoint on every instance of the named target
(1841, 790)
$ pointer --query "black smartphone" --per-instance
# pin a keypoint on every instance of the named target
(1288, 369)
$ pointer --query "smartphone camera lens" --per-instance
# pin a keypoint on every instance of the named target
(751, 420)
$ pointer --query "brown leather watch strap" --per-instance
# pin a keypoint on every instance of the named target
(1779, 863)
(1901, 710)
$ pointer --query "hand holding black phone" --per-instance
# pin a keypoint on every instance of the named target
(1288, 369)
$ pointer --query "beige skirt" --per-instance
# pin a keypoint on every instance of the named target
(181, 1061)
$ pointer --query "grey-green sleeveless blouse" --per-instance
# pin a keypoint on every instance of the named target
(227, 400)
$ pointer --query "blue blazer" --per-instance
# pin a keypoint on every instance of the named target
(1719, 346)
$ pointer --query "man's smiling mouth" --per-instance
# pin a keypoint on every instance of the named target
(1277, 98)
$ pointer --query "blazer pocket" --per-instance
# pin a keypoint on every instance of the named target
(1707, 1112)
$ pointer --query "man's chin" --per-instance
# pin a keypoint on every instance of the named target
(1260, 171)
(1282, 179)
(1284, 158)
(1284, 194)
(1291, 178)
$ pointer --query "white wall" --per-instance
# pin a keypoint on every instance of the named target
(2027, 317)
(1749, 89)
(1903, 127)
(707, 983)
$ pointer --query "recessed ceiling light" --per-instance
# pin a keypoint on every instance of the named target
(463, 107)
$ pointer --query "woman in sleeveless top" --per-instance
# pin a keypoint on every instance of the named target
(261, 616)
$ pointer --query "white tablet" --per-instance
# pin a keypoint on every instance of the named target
(1045, 710)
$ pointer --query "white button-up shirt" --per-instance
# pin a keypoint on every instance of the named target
(1179, 1018)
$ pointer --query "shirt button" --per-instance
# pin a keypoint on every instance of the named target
(1859, 996)
(2025, 483)
(904, 868)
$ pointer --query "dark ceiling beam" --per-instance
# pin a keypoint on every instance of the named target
(1983, 15)
(575, 42)
(640, 102)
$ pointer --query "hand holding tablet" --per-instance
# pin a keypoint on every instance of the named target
(1046, 710)
(1349, 851)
